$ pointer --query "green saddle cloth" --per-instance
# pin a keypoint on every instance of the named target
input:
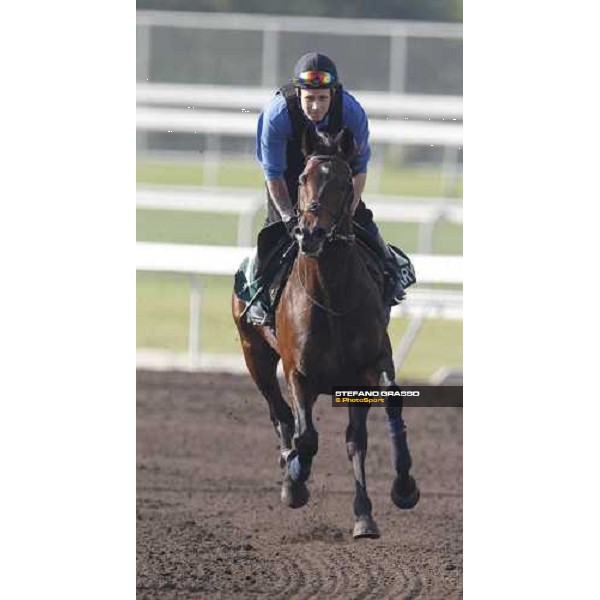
(260, 276)
(246, 284)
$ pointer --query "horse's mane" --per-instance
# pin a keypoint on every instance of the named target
(322, 143)
(327, 144)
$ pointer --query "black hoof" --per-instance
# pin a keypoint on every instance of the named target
(294, 494)
(365, 527)
(405, 496)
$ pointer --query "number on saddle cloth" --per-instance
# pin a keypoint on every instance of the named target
(405, 269)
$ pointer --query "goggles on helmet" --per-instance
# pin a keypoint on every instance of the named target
(314, 79)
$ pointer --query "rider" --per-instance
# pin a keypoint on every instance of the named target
(314, 98)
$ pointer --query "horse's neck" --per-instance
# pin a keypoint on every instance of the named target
(334, 274)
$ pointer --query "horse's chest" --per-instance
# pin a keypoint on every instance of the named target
(337, 347)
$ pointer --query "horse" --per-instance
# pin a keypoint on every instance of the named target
(330, 330)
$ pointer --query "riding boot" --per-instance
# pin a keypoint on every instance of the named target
(257, 315)
(260, 311)
(275, 252)
(393, 292)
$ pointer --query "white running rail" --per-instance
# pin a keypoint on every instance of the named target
(247, 204)
(198, 260)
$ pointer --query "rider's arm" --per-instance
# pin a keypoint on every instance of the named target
(356, 120)
(358, 181)
(281, 198)
(274, 129)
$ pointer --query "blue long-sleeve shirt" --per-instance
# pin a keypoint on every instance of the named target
(275, 129)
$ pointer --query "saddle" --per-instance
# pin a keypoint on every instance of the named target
(394, 268)
(261, 277)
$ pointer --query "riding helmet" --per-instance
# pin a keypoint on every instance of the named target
(315, 71)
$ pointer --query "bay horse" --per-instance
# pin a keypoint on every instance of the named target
(330, 327)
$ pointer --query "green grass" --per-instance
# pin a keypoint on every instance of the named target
(244, 173)
(439, 344)
(163, 313)
(208, 228)
(163, 300)
(230, 174)
(162, 322)
(411, 182)
(180, 227)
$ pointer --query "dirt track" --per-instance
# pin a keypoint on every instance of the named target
(209, 521)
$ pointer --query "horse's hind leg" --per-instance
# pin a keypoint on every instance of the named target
(261, 361)
(356, 444)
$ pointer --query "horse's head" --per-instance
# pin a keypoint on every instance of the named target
(326, 192)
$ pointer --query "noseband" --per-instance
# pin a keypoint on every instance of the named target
(315, 205)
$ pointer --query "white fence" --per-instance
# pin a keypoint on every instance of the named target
(167, 109)
(248, 203)
(387, 55)
(196, 261)
(244, 125)
(252, 98)
(226, 61)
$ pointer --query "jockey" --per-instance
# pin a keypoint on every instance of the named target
(315, 97)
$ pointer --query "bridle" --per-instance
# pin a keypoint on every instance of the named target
(333, 234)
(315, 205)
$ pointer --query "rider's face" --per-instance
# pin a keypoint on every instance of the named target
(315, 103)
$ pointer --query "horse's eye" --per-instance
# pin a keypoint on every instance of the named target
(302, 179)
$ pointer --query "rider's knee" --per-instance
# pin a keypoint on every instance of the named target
(364, 217)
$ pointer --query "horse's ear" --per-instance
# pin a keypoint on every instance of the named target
(345, 144)
(310, 141)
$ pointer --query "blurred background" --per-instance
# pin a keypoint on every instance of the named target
(204, 71)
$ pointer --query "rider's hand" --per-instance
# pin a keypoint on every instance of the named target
(290, 224)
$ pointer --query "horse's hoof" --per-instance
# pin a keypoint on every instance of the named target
(407, 496)
(294, 494)
(365, 527)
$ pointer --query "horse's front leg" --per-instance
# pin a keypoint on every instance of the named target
(405, 492)
(356, 445)
(306, 444)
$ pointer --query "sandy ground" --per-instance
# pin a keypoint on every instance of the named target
(210, 523)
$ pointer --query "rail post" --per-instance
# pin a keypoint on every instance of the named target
(194, 321)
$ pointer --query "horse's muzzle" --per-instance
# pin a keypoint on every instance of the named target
(311, 242)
